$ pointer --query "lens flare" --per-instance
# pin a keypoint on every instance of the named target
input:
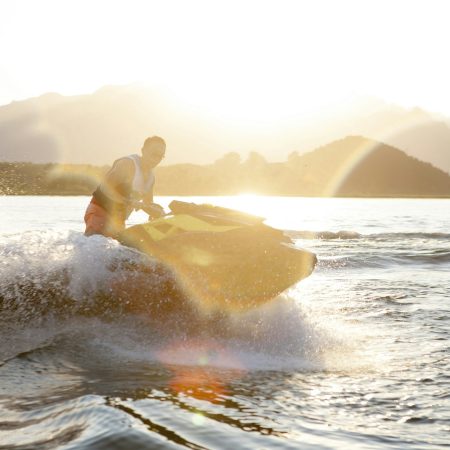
(355, 156)
(192, 363)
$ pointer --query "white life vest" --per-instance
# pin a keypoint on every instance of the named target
(140, 186)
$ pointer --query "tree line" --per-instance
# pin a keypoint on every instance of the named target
(226, 176)
(354, 166)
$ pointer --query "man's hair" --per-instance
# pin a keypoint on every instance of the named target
(153, 140)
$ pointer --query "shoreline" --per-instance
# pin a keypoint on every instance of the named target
(360, 197)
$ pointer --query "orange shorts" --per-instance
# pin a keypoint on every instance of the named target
(99, 221)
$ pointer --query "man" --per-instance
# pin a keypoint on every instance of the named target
(127, 186)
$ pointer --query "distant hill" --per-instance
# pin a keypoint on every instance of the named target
(360, 167)
(351, 167)
(113, 121)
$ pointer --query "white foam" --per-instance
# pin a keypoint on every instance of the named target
(281, 335)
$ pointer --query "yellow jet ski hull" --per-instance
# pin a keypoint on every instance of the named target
(231, 262)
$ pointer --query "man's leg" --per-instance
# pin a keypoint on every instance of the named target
(96, 219)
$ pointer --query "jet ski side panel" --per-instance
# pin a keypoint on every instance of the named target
(235, 268)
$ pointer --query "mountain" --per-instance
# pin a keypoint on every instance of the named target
(93, 129)
(113, 121)
(420, 134)
(360, 167)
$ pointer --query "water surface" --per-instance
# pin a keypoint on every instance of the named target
(356, 356)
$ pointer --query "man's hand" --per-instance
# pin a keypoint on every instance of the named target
(137, 204)
(153, 210)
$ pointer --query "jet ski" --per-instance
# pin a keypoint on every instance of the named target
(222, 258)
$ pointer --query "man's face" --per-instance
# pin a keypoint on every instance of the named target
(152, 155)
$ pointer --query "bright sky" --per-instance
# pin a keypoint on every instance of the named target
(245, 58)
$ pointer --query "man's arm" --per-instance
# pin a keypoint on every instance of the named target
(152, 209)
(121, 172)
(148, 197)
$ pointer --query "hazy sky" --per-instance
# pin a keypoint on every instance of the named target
(245, 58)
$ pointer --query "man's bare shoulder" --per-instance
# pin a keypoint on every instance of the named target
(122, 169)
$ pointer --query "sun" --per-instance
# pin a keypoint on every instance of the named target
(252, 97)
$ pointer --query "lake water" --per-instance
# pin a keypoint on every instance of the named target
(355, 356)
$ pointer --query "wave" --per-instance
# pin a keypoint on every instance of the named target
(64, 287)
(44, 273)
(277, 336)
(67, 273)
(345, 234)
(410, 235)
(56, 276)
(361, 260)
(379, 250)
(325, 235)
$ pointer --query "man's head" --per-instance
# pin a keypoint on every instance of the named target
(153, 151)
